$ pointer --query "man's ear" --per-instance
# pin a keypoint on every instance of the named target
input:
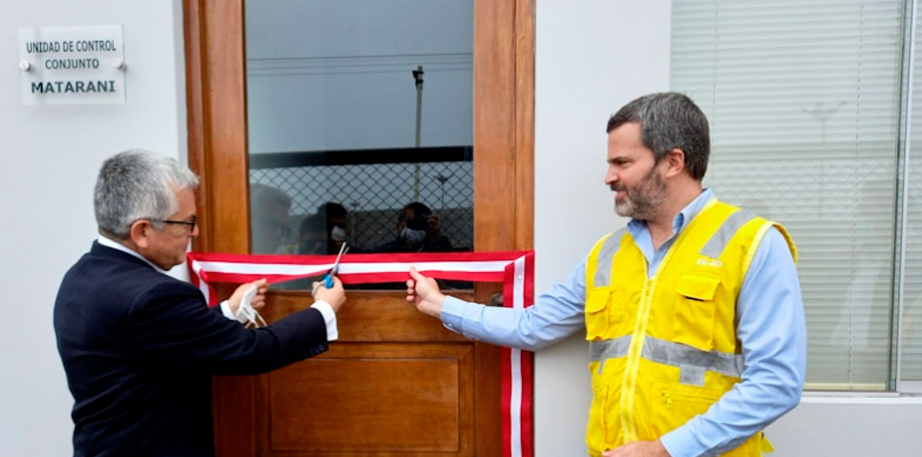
(675, 162)
(139, 233)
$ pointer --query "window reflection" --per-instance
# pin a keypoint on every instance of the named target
(349, 132)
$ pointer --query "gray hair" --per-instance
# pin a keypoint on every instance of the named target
(669, 120)
(261, 194)
(138, 184)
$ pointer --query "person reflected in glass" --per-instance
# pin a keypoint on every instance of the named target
(324, 232)
(312, 237)
(336, 221)
(270, 221)
(417, 230)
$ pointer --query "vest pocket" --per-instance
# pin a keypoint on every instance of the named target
(597, 309)
(694, 311)
(596, 429)
(674, 404)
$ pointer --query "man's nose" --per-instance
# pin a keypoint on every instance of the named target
(610, 178)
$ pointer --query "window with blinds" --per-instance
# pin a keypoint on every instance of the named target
(803, 99)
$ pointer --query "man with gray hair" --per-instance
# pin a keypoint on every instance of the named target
(693, 312)
(139, 347)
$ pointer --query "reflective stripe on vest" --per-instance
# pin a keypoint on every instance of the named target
(606, 254)
(692, 362)
(713, 248)
(718, 242)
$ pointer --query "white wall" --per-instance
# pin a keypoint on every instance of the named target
(852, 426)
(591, 58)
(51, 156)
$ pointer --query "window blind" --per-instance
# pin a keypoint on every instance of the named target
(803, 103)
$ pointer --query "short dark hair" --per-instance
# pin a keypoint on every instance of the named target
(332, 209)
(421, 214)
(669, 120)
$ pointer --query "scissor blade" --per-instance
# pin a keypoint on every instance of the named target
(342, 250)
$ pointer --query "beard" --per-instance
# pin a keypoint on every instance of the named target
(644, 199)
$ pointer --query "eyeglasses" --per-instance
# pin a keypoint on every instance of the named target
(190, 223)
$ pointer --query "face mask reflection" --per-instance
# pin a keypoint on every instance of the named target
(412, 238)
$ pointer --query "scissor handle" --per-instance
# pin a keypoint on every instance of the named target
(328, 280)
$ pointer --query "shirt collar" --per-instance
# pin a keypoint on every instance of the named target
(683, 218)
(110, 243)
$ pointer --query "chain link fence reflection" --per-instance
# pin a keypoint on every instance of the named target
(374, 195)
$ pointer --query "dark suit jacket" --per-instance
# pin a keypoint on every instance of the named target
(139, 349)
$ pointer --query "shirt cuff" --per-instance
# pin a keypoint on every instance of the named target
(680, 442)
(452, 311)
(225, 310)
(329, 316)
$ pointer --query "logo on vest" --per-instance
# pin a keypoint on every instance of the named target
(709, 262)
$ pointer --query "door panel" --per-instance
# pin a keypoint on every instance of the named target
(396, 382)
(414, 400)
(392, 385)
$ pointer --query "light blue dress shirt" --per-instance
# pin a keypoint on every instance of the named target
(771, 329)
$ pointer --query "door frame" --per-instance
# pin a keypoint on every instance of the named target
(504, 48)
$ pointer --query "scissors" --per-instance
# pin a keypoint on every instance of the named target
(328, 280)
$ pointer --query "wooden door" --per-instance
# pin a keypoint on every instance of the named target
(396, 383)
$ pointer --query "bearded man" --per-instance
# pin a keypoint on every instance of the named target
(693, 311)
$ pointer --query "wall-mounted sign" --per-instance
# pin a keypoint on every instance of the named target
(72, 65)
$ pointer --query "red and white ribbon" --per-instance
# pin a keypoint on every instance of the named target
(515, 269)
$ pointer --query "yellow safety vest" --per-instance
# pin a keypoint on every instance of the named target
(664, 348)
